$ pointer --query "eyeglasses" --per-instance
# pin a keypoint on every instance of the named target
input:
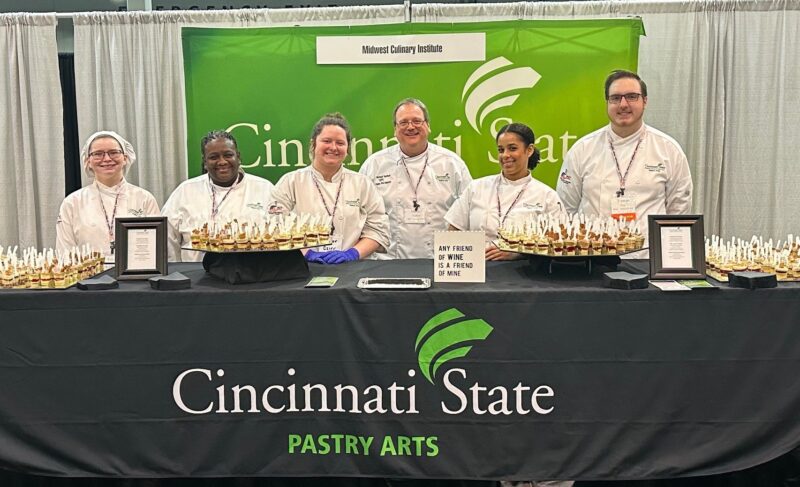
(629, 97)
(405, 123)
(99, 155)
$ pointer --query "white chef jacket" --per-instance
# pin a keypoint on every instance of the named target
(476, 209)
(445, 178)
(81, 219)
(189, 207)
(359, 212)
(659, 179)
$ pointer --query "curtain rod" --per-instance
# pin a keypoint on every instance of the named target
(71, 15)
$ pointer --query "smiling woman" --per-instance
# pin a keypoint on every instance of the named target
(488, 202)
(346, 199)
(87, 215)
(223, 193)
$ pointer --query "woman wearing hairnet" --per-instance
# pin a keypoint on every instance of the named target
(87, 215)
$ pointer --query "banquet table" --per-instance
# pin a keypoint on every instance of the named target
(530, 375)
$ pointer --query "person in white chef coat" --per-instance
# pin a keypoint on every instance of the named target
(346, 199)
(491, 201)
(223, 193)
(626, 169)
(87, 215)
(418, 181)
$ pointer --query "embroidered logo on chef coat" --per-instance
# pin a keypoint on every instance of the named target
(565, 178)
(533, 206)
(255, 206)
(356, 202)
(660, 167)
(444, 178)
(136, 211)
(383, 179)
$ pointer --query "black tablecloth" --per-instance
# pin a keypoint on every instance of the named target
(529, 376)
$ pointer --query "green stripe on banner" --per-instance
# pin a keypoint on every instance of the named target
(265, 86)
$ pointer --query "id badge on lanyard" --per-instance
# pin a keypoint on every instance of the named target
(410, 215)
(623, 207)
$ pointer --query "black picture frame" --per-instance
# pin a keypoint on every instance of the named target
(693, 224)
(125, 270)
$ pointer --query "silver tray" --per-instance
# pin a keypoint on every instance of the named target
(394, 283)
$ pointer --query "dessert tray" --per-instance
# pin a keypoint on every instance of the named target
(220, 250)
(756, 255)
(48, 268)
(278, 233)
(723, 277)
(575, 255)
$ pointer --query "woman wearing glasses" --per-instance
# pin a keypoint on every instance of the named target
(87, 215)
(491, 201)
(345, 199)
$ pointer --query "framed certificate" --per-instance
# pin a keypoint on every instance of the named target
(676, 247)
(141, 247)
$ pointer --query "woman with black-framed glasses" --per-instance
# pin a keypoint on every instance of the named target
(87, 215)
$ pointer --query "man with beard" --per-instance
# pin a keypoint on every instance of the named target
(626, 169)
(418, 181)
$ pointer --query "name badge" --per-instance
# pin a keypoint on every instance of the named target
(623, 208)
(382, 179)
(411, 216)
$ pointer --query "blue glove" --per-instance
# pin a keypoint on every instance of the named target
(314, 256)
(341, 256)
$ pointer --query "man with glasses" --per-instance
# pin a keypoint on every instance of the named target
(418, 181)
(626, 169)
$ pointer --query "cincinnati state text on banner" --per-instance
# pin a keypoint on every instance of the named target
(266, 86)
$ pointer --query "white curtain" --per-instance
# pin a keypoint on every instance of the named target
(724, 80)
(129, 74)
(722, 75)
(31, 130)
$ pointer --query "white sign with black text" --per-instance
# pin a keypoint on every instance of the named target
(393, 49)
(459, 257)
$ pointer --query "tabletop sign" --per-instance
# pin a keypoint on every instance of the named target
(676, 247)
(459, 257)
(141, 244)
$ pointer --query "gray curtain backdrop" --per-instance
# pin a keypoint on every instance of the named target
(723, 78)
(129, 67)
(31, 130)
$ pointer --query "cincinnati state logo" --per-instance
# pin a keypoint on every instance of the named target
(446, 337)
(493, 79)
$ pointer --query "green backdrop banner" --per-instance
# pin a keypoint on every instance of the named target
(265, 86)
